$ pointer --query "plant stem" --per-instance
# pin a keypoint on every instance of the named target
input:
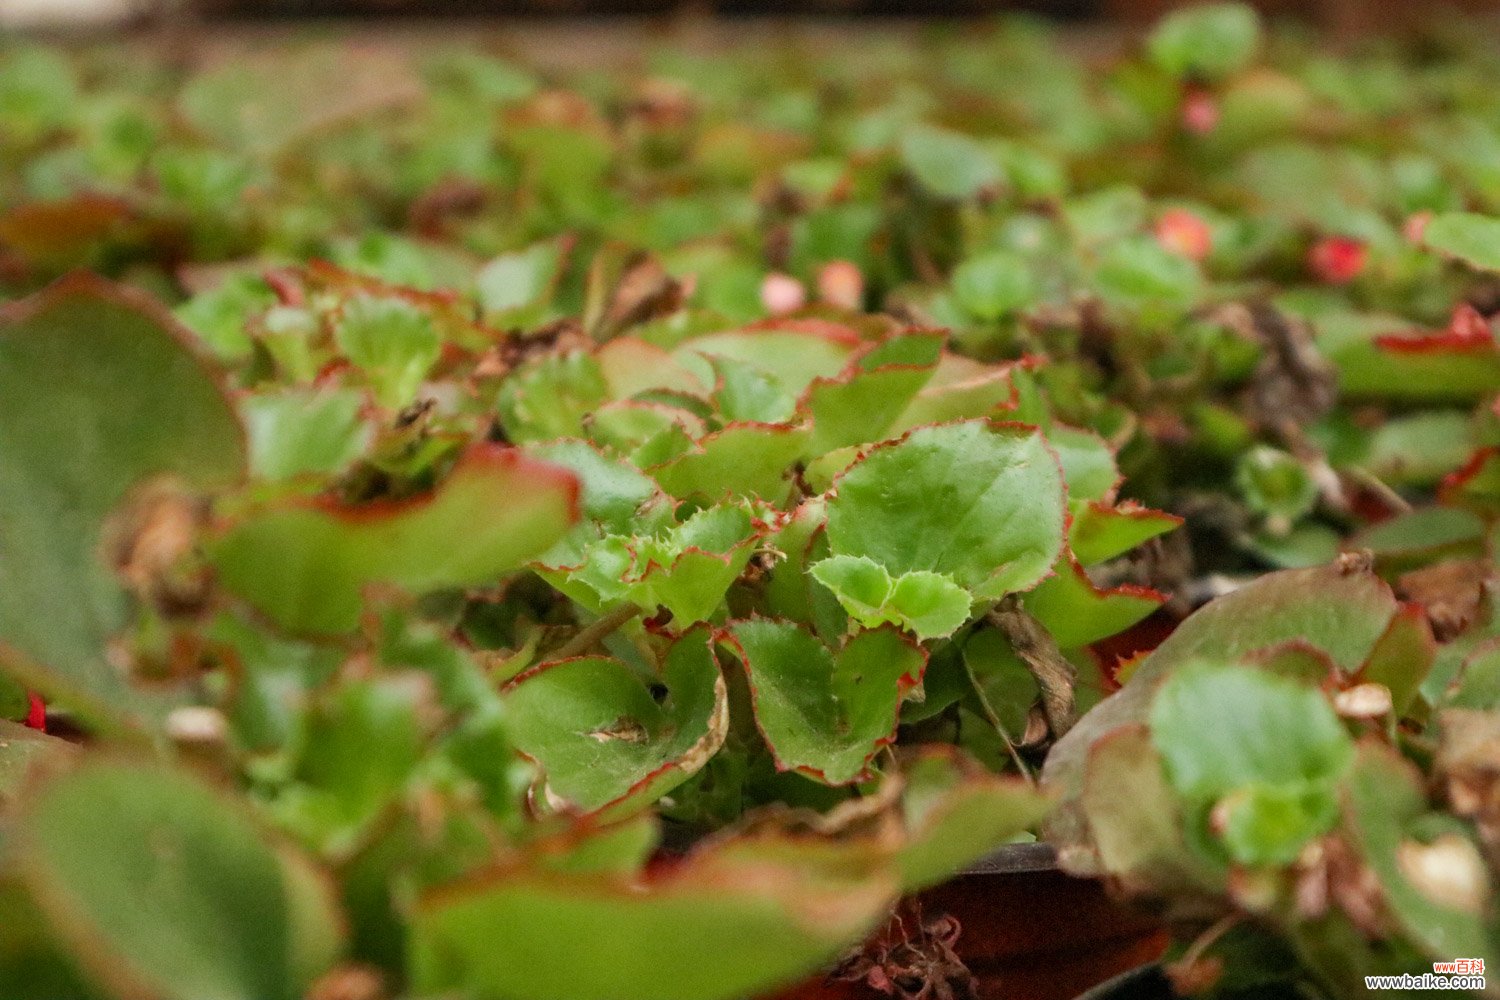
(994, 720)
(1038, 650)
(595, 632)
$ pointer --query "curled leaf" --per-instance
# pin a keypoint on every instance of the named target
(605, 739)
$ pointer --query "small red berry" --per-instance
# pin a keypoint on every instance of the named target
(1337, 260)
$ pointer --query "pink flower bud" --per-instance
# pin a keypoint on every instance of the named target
(1416, 226)
(840, 284)
(1183, 233)
(1200, 112)
(782, 294)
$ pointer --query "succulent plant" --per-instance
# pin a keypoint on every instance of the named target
(481, 532)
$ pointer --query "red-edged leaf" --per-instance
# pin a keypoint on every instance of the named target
(1077, 612)
(604, 740)
(102, 391)
(1476, 485)
(1467, 332)
(826, 713)
(732, 920)
(306, 563)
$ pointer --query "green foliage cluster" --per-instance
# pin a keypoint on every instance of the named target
(493, 535)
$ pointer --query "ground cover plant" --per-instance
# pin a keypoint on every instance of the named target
(481, 533)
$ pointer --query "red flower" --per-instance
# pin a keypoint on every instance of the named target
(1337, 260)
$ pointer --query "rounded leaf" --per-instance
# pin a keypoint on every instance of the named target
(183, 899)
(979, 502)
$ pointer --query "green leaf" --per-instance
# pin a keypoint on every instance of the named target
(393, 342)
(305, 564)
(742, 460)
(956, 812)
(1137, 273)
(219, 316)
(1402, 657)
(617, 848)
(602, 737)
(929, 604)
(15, 703)
(1307, 544)
(298, 431)
(746, 393)
(792, 592)
(1088, 464)
(1469, 236)
(766, 914)
(1006, 687)
(1423, 535)
(826, 714)
(926, 603)
(1479, 682)
(1266, 750)
(513, 287)
(948, 164)
(616, 498)
(1273, 483)
(102, 393)
(980, 503)
(1374, 363)
(1100, 532)
(361, 743)
(32, 962)
(633, 367)
(1341, 611)
(183, 899)
(960, 389)
(686, 568)
(993, 284)
(646, 432)
(549, 397)
(861, 404)
(1385, 798)
(1077, 612)
(1420, 449)
(1135, 820)
(1476, 486)
(20, 748)
(793, 354)
(861, 585)
(1207, 41)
